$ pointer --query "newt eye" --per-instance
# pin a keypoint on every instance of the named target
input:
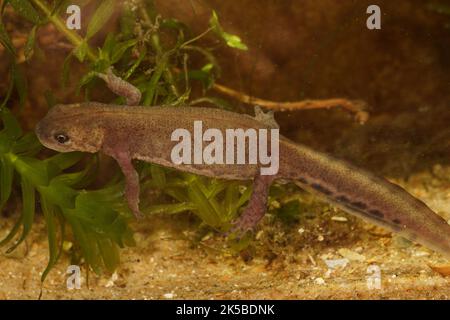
(61, 138)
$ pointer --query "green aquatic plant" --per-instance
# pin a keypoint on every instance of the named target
(96, 217)
(154, 54)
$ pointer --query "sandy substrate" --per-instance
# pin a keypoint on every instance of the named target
(283, 262)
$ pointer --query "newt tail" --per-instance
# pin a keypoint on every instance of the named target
(365, 195)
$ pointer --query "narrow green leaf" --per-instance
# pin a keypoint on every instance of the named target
(234, 41)
(34, 170)
(94, 258)
(86, 242)
(66, 70)
(158, 174)
(231, 40)
(12, 233)
(174, 24)
(59, 194)
(135, 64)
(150, 7)
(79, 179)
(11, 127)
(5, 40)
(49, 214)
(27, 145)
(207, 67)
(26, 10)
(87, 78)
(20, 83)
(231, 199)
(216, 187)
(28, 210)
(65, 160)
(127, 22)
(57, 5)
(150, 91)
(8, 93)
(5, 143)
(208, 55)
(81, 51)
(108, 47)
(178, 194)
(109, 253)
(200, 182)
(99, 227)
(245, 196)
(169, 208)
(100, 17)
(6, 180)
(206, 78)
(221, 103)
(206, 211)
(31, 41)
(120, 49)
(117, 229)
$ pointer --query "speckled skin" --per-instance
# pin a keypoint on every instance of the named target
(144, 133)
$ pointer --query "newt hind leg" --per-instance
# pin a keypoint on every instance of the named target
(256, 207)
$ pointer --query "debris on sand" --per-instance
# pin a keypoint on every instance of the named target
(169, 295)
(351, 255)
(339, 219)
(111, 281)
(421, 254)
(336, 263)
(442, 269)
(319, 281)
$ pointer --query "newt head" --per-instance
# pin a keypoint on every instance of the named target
(69, 128)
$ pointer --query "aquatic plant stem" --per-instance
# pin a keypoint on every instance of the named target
(356, 107)
(73, 37)
(155, 42)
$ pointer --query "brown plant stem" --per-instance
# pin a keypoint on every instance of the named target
(356, 107)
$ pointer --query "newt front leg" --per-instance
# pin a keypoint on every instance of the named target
(132, 188)
(132, 96)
